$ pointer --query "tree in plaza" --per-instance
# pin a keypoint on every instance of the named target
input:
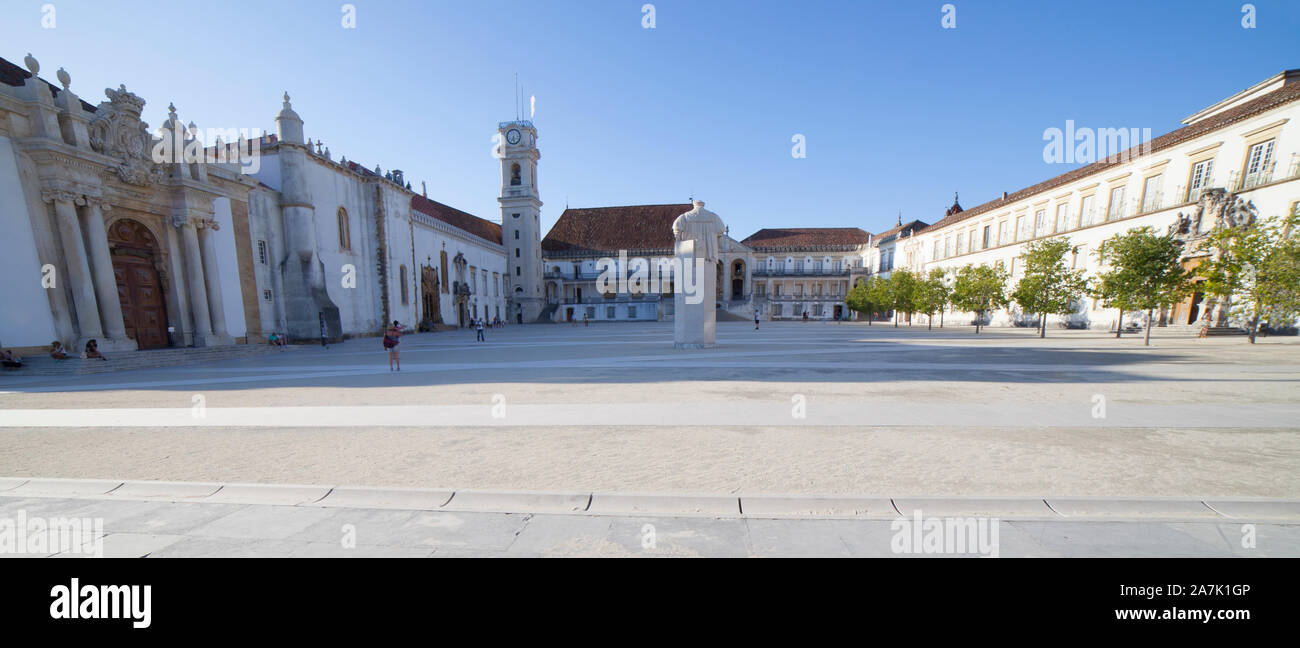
(1049, 285)
(1257, 267)
(980, 289)
(902, 293)
(932, 295)
(1142, 271)
(862, 299)
(878, 294)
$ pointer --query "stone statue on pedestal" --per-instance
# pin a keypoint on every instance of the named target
(698, 235)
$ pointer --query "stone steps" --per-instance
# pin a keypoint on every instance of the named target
(46, 366)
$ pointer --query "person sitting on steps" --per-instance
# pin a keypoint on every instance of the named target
(92, 351)
(10, 361)
(57, 352)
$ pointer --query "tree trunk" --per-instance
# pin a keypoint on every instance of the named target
(1042, 326)
(940, 319)
(929, 322)
(1147, 341)
(1254, 328)
(1119, 324)
(979, 319)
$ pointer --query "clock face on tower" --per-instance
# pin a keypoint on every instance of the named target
(512, 136)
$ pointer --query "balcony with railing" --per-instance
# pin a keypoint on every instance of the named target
(818, 271)
(610, 300)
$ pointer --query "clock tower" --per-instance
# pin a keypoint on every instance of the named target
(521, 210)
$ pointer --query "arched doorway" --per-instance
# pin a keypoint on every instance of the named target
(139, 287)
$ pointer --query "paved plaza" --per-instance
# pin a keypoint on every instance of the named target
(792, 408)
(163, 529)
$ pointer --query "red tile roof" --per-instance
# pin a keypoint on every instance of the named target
(807, 237)
(482, 228)
(643, 228)
(1284, 95)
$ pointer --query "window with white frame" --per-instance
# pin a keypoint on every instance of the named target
(1259, 165)
(1021, 232)
(1151, 193)
(1085, 210)
(1062, 217)
(1116, 208)
(1200, 179)
(1002, 232)
(1040, 222)
(961, 240)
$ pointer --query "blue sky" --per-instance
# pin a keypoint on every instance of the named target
(898, 113)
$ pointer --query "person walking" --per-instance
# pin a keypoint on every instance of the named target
(478, 329)
(755, 319)
(392, 338)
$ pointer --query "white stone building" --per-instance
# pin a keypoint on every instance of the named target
(114, 238)
(780, 273)
(1246, 146)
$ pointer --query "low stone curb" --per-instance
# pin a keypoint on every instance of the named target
(519, 501)
(414, 499)
(651, 504)
(1082, 509)
(795, 506)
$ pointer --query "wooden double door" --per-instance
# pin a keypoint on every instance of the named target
(139, 288)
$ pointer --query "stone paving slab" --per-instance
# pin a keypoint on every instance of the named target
(263, 522)
(194, 529)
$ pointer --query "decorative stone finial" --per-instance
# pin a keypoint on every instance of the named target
(32, 65)
(64, 78)
(171, 112)
(286, 100)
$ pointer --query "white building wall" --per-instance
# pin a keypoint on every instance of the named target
(1227, 147)
(228, 269)
(25, 319)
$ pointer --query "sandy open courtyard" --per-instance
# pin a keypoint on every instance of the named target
(792, 408)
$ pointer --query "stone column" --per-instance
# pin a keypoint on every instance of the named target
(105, 280)
(79, 277)
(212, 279)
(197, 287)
